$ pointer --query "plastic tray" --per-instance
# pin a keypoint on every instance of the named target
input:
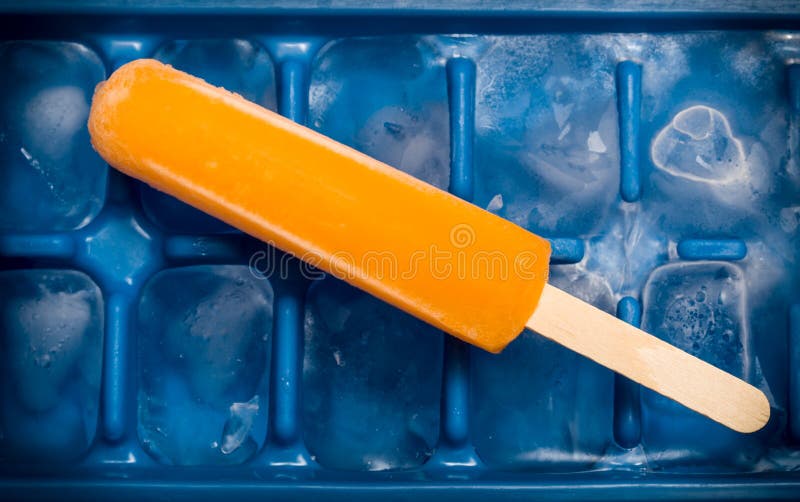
(151, 352)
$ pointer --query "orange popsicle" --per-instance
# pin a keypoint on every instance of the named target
(457, 267)
(400, 239)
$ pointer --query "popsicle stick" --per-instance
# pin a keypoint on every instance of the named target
(649, 361)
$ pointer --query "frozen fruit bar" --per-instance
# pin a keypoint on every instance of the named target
(462, 269)
(458, 267)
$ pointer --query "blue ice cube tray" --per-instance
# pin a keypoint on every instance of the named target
(149, 351)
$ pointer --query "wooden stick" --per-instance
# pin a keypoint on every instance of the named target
(649, 361)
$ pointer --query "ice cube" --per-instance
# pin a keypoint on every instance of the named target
(700, 308)
(386, 97)
(51, 179)
(551, 123)
(371, 380)
(51, 346)
(235, 64)
(204, 346)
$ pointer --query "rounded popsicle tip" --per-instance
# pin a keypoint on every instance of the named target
(107, 96)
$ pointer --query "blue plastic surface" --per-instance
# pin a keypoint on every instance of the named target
(148, 351)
